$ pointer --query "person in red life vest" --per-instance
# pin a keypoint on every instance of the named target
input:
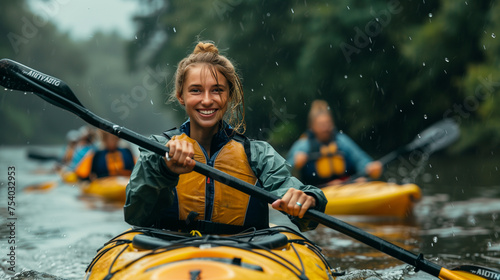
(323, 155)
(163, 192)
(111, 160)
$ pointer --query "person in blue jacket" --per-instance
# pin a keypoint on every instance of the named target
(323, 155)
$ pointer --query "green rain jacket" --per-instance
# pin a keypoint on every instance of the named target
(152, 184)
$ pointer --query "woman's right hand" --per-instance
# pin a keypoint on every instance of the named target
(179, 159)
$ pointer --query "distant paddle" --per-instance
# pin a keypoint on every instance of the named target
(19, 77)
(436, 137)
(41, 156)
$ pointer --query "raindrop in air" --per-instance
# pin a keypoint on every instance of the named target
(430, 15)
(493, 35)
(151, 102)
(292, 11)
(446, 59)
(425, 116)
(412, 103)
(276, 63)
(423, 63)
(175, 31)
(435, 239)
(345, 77)
(264, 97)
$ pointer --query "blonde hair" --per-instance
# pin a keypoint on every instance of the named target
(318, 107)
(207, 53)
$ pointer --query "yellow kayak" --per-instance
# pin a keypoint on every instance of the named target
(145, 253)
(108, 188)
(374, 198)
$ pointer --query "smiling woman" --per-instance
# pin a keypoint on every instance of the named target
(83, 18)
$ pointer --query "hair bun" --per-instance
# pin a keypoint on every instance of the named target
(203, 47)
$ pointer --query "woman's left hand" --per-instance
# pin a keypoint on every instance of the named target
(294, 202)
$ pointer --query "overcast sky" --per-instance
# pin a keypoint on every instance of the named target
(83, 17)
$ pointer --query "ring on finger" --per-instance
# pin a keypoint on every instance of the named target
(299, 204)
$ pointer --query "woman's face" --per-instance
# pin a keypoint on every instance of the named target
(322, 127)
(204, 97)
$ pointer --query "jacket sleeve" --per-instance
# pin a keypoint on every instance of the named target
(300, 145)
(353, 154)
(274, 175)
(150, 188)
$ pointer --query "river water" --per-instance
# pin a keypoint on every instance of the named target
(57, 232)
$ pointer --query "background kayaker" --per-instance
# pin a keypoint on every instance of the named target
(110, 160)
(164, 193)
(323, 155)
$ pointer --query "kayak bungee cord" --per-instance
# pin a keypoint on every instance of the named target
(209, 240)
(16, 76)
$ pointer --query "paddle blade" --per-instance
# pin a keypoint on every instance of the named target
(16, 76)
(470, 272)
(436, 137)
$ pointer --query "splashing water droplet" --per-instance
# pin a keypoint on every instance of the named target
(493, 35)
(264, 97)
(345, 77)
(435, 239)
(276, 63)
(423, 64)
(292, 11)
(412, 103)
(446, 59)
(175, 31)
(430, 15)
(425, 116)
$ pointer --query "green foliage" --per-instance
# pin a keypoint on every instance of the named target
(387, 68)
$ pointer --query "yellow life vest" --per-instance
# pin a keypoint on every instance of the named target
(331, 163)
(212, 200)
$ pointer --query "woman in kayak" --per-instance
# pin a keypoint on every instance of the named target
(323, 155)
(164, 193)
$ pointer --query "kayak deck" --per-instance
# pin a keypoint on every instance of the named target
(374, 198)
(107, 188)
(274, 253)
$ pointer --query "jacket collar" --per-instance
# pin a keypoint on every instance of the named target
(219, 139)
